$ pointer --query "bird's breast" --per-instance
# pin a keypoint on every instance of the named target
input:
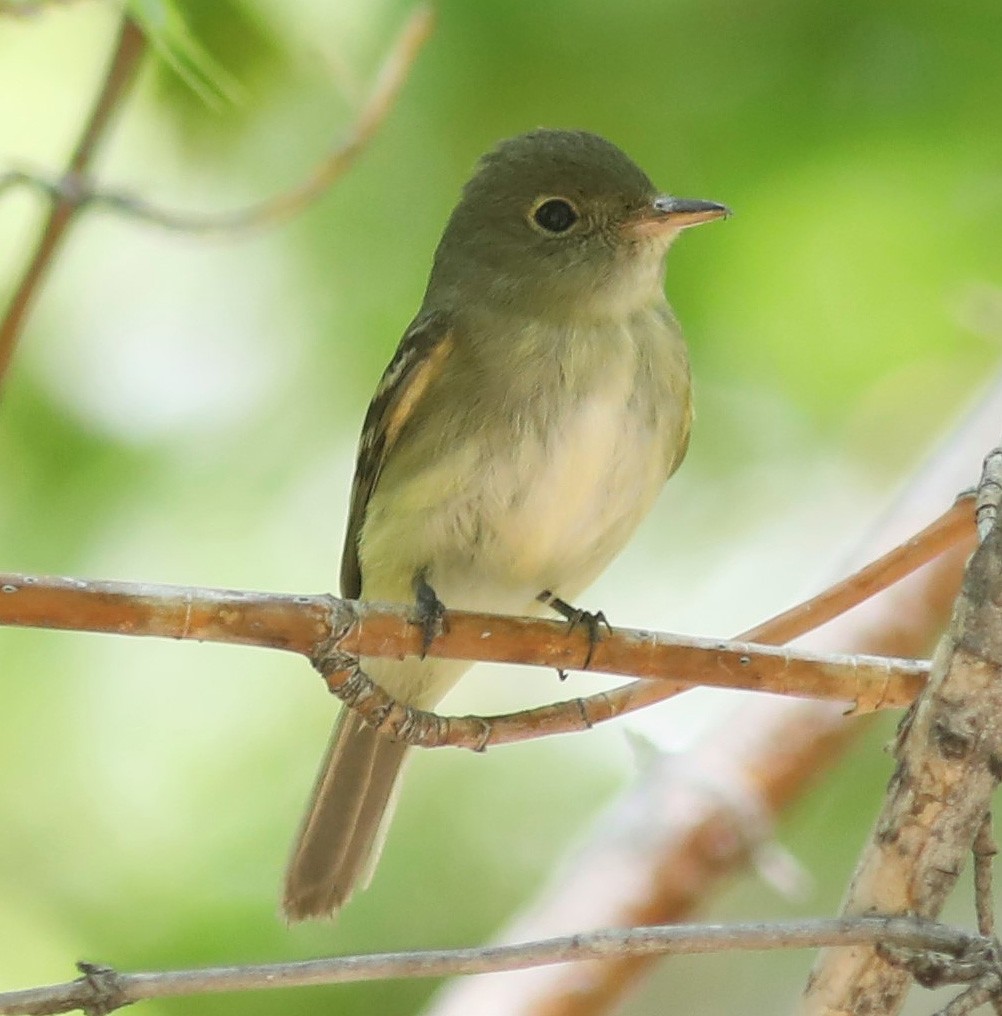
(544, 479)
(582, 465)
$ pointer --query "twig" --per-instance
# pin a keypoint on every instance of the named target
(392, 75)
(103, 989)
(949, 764)
(129, 48)
(979, 969)
(73, 192)
(872, 682)
(950, 529)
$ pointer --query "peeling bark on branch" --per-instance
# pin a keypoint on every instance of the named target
(949, 763)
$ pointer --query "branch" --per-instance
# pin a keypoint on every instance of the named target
(73, 192)
(949, 755)
(335, 632)
(129, 48)
(103, 990)
(78, 192)
(953, 528)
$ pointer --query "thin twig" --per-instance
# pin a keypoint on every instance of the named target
(103, 989)
(391, 77)
(985, 850)
(951, 528)
(129, 48)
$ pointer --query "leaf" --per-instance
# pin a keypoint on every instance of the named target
(169, 34)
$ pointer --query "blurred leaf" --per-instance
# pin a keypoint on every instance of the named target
(215, 58)
(167, 29)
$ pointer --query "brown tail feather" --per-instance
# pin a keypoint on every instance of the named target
(342, 832)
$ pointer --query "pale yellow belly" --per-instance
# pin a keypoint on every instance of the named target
(524, 504)
(578, 499)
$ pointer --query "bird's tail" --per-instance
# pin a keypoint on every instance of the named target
(345, 822)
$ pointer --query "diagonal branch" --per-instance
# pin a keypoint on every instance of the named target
(129, 48)
(951, 529)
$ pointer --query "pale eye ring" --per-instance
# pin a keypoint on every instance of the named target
(553, 215)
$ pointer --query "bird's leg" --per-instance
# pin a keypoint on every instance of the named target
(430, 612)
(575, 617)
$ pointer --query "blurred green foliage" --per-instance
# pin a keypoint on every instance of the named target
(185, 409)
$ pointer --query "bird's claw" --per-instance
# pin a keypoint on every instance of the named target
(429, 614)
(576, 617)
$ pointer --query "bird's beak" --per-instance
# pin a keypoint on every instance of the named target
(666, 213)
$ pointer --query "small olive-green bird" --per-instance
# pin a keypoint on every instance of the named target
(532, 412)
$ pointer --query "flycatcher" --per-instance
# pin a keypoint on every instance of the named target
(531, 414)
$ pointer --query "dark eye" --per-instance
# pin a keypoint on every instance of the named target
(555, 215)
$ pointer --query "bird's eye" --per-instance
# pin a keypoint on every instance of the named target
(554, 215)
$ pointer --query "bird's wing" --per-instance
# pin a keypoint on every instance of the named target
(418, 360)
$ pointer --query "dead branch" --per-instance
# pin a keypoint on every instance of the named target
(949, 762)
(102, 989)
(984, 852)
(989, 492)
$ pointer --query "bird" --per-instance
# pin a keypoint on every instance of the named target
(530, 416)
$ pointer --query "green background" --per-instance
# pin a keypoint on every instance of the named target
(184, 409)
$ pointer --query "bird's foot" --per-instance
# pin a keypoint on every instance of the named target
(575, 617)
(429, 614)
